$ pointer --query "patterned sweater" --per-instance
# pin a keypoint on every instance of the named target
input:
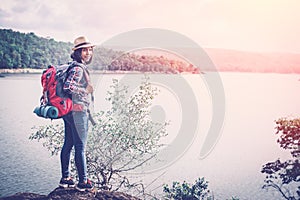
(75, 85)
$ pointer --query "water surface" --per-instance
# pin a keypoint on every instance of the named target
(253, 102)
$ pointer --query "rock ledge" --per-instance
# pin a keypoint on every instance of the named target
(72, 194)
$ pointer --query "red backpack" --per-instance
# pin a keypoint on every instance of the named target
(55, 102)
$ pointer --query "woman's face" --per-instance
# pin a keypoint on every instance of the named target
(86, 54)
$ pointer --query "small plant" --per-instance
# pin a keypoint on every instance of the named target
(187, 191)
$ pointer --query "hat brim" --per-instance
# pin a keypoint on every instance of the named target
(83, 46)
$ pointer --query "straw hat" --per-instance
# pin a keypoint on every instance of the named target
(81, 42)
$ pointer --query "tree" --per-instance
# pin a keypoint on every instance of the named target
(124, 138)
(285, 176)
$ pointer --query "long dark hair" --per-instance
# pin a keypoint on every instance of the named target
(76, 55)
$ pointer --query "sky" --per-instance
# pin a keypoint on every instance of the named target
(248, 25)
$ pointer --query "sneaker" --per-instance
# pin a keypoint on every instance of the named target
(66, 182)
(85, 186)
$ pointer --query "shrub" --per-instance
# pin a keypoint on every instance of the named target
(187, 191)
(124, 138)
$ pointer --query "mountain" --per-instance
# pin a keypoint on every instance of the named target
(232, 60)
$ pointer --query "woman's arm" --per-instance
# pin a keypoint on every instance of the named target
(72, 84)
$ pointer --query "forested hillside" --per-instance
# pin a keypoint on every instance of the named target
(20, 50)
(26, 50)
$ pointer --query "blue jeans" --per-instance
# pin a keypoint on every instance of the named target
(76, 129)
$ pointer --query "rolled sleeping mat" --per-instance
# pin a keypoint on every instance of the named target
(37, 111)
(52, 112)
(46, 112)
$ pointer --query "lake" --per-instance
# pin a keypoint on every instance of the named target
(244, 140)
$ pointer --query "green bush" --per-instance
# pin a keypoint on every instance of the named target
(187, 191)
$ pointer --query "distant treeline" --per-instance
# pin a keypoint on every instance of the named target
(26, 50)
(20, 50)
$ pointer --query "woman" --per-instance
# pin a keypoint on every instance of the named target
(76, 122)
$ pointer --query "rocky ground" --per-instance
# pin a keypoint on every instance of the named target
(72, 194)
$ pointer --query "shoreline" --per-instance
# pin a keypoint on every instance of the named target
(21, 71)
(4, 72)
